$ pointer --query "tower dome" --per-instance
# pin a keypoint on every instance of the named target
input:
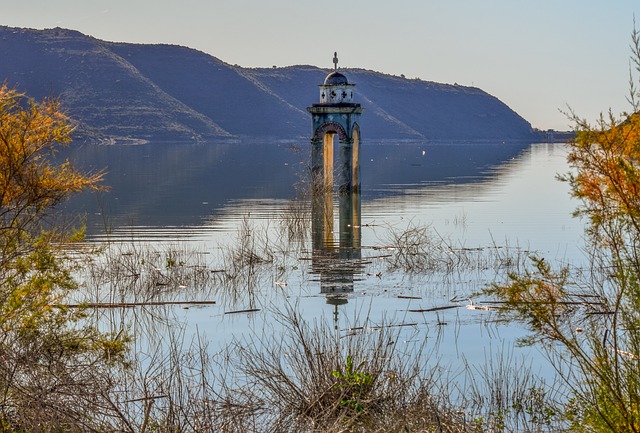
(335, 78)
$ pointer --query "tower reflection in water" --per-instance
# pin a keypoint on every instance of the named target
(336, 254)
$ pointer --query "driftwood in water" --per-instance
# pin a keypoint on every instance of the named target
(362, 328)
(426, 310)
(136, 304)
(250, 310)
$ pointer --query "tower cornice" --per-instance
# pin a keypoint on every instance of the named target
(335, 109)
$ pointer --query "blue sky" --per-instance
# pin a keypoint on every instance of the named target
(536, 56)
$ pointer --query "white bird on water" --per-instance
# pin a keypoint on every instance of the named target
(473, 306)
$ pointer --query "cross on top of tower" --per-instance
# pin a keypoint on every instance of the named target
(335, 61)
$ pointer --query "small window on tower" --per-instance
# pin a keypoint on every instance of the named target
(344, 94)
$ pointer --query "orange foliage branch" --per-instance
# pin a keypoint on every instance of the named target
(30, 183)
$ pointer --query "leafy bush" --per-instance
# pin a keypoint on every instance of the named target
(589, 326)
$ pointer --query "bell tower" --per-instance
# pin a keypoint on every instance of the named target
(336, 115)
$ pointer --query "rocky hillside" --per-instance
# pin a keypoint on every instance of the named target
(128, 92)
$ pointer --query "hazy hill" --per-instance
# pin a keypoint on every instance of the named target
(118, 91)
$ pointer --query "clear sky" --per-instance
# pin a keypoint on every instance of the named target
(537, 56)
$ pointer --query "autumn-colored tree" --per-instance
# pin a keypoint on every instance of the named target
(53, 369)
(589, 322)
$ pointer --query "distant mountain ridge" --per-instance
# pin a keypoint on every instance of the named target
(122, 92)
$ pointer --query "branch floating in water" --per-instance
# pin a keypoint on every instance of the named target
(135, 304)
(250, 310)
(426, 310)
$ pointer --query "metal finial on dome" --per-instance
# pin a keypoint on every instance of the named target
(335, 61)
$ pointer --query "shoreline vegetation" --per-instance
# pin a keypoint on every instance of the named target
(65, 369)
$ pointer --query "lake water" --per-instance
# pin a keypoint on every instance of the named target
(484, 204)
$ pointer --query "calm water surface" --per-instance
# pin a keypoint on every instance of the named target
(496, 199)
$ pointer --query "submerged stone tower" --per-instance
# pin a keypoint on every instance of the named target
(336, 114)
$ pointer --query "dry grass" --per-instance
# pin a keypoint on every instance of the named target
(422, 250)
(308, 379)
(140, 273)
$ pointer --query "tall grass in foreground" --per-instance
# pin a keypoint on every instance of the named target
(299, 376)
(312, 379)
